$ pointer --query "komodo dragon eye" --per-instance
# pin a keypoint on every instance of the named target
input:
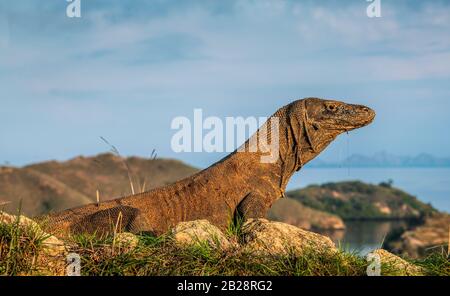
(331, 107)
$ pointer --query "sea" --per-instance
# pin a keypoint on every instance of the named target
(430, 185)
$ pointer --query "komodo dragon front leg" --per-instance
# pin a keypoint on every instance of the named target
(254, 205)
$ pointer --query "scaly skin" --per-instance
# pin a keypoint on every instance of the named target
(239, 183)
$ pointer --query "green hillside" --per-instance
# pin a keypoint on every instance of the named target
(357, 200)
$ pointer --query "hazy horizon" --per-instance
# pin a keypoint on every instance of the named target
(317, 163)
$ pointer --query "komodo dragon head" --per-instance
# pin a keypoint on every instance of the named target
(314, 123)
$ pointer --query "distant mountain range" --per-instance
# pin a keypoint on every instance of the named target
(384, 159)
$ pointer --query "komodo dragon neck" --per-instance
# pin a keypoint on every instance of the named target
(239, 183)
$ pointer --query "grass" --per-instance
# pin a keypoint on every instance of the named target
(234, 228)
(115, 151)
(20, 250)
(21, 253)
(437, 264)
(160, 256)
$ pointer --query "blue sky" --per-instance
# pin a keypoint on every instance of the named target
(125, 69)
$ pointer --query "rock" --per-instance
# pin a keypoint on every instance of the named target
(51, 265)
(126, 240)
(51, 245)
(6, 218)
(188, 234)
(433, 235)
(290, 211)
(52, 259)
(397, 265)
(262, 237)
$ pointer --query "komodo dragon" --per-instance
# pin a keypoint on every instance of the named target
(239, 183)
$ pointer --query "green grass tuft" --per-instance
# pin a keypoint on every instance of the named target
(19, 248)
(437, 264)
(234, 228)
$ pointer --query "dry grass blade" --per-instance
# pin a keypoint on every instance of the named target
(143, 187)
(115, 151)
(117, 229)
(98, 198)
(153, 155)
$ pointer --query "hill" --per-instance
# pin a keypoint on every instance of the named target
(57, 185)
(35, 192)
(290, 211)
(420, 241)
(357, 200)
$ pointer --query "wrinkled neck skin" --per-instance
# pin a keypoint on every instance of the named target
(296, 148)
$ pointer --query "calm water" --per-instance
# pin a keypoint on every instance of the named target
(428, 184)
(364, 236)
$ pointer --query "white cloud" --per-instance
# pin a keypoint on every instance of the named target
(261, 42)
